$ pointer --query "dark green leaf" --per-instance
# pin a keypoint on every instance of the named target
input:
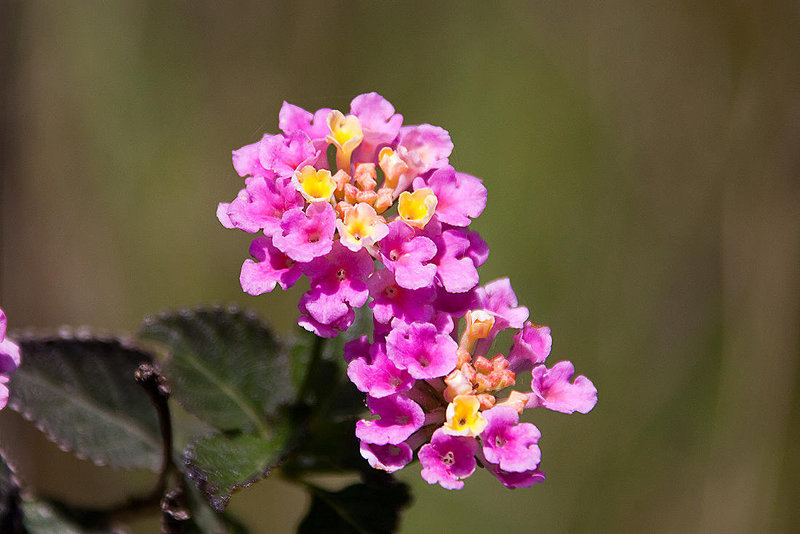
(222, 464)
(10, 503)
(359, 509)
(47, 517)
(81, 392)
(330, 444)
(224, 366)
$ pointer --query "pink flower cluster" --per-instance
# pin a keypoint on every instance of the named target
(449, 402)
(372, 212)
(9, 360)
(393, 198)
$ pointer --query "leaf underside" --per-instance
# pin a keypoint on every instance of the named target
(82, 394)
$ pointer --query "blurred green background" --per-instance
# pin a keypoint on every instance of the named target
(642, 162)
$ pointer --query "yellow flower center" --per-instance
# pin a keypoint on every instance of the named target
(417, 208)
(346, 135)
(464, 417)
(361, 227)
(314, 185)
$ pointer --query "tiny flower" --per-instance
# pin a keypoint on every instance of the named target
(511, 480)
(294, 118)
(498, 298)
(552, 389)
(374, 373)
(457, 384)
(422, 350)
(479, 323)
(315, 185)
(246, 161)
(408, 255)
(327, 330)
(464, 417)
(9, 360)
(508, 443)
(531, 347)
(379, 122)
(478, 250)
(417, 208)
(399, 417)
(345, 134)
(271, 267)
(393, 168)
(424, 147)
(391, 301)
(282, 154)
(309, 235)
(389, 458)
(461, 197)
(260, 205)
(337, 282)
(447, 460)
(456, 271)
(362, 227)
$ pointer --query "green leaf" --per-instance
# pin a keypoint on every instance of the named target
(224, 366)
(221, 464)
(10, 503)
(47, 517)
(357, 509)
(81, 392)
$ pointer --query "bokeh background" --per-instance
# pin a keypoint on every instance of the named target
(642, 162)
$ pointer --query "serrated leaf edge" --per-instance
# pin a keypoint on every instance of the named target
(68, 333)
(221, 503)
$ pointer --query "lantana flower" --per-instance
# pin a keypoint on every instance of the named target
(471, 403)
(389, 229)
(9, 360)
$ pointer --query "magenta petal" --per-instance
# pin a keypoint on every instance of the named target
(305, 236)
(222, 215)
(524, 479)
(508, 443)
(260, 205)
(424, 147)
(9, 357)
(531, 347)
(399, 417)
(461, 197)
(379, 122)
(376, 375)
(422, 350)
(552, 389)
(357, 348)
(293, 119)
(408, 256)
(478, 249)
(456, 272)
(247, 163)
(283, 154)
(392, 301)
(498, 298)
(389, 458)
(326, 330)
(337, 283)
(270, 268)
(9, 360)
(447, 460)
